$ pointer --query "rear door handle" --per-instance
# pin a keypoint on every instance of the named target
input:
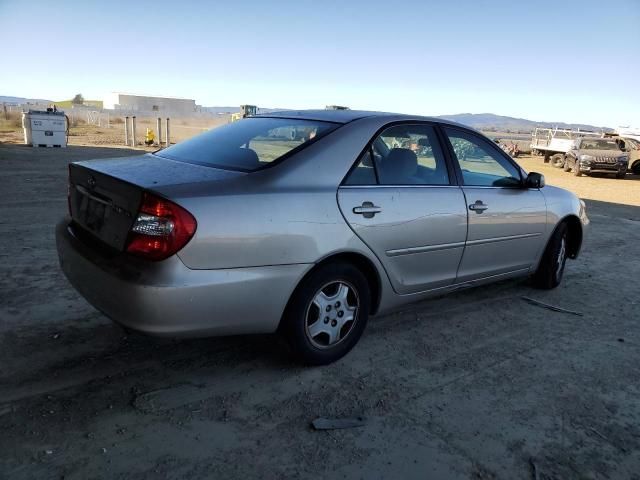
(367, 210)
(478, 207)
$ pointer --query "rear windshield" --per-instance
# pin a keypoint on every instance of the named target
(250, 144)
(597, 144)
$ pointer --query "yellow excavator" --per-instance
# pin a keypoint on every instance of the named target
(245, 111)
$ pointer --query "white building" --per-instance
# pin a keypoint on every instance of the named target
(143, 104)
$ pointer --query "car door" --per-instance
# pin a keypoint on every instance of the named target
(506, 220)
(400, 201)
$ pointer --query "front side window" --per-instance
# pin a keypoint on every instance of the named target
(402, 155)
(249, 144)
(481, 164)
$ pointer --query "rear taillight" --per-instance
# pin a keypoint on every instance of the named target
(161, 229)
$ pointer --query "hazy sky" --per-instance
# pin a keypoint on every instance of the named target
(574, 61)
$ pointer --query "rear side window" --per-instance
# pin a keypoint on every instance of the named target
(249, 144)
(364, 173)
(404, 154)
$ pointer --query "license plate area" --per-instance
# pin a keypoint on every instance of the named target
(103, 206)
(92, 213)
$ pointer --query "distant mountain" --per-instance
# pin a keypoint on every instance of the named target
(22, 100)
(490, 121)
(221, 110)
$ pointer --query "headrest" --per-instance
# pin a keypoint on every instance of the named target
(401, 163)
(245, 157)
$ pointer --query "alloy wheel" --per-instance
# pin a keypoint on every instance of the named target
(332, 314)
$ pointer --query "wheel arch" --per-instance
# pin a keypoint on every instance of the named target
(361, 262)
(574, 227)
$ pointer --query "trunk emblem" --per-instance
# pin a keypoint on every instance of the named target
(91, 182)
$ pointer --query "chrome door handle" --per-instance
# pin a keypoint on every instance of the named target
(478, 207)
(367, 210)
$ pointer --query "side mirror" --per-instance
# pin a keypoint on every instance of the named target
(534, 180)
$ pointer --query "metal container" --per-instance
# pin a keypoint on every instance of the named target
(44, 128)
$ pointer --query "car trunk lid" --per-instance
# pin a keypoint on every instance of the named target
(105, 195)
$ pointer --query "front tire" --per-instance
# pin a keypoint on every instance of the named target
(327, 314)
(551, 269)
(576, 168)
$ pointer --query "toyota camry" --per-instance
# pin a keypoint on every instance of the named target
(307, 223)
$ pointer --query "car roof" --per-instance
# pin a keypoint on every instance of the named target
(346, 116)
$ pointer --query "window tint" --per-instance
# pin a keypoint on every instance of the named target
(248, 144)
(409, 155)
(364, 173)
(481, 164)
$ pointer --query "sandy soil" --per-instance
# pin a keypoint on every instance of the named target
(605, 188)
(479, 384)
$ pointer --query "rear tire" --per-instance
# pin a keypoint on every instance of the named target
(558, 160)
(316, 322)
(551, 269)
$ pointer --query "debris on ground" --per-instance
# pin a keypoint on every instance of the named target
(321, 423)
(535, 471)
(551, 307)
(598, 433)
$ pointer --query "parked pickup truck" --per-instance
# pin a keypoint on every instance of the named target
(596, 155)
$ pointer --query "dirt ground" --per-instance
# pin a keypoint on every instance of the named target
(475, 385)
(605, 188)
(81, 133)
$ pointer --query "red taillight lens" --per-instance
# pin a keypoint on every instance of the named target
(161, 229)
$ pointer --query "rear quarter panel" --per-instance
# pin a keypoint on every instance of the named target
(265, 228)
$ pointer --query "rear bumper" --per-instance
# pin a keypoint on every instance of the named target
(168, 299)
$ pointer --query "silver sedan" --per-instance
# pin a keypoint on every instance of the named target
(308, 223)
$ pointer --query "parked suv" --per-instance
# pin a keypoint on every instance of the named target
(596, 155)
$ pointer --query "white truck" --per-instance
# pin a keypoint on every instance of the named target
(554, 143)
